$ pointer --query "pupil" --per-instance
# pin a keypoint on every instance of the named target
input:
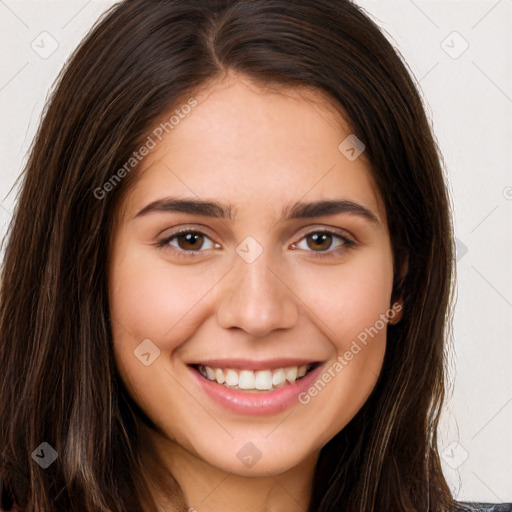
(190, 238)
(322, 238)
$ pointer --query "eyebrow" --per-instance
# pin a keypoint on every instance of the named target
(298, 210)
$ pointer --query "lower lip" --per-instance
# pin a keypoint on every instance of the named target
(257, 404)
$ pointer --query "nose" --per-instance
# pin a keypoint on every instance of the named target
(255, 297)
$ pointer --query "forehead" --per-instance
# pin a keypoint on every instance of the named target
(244, 144)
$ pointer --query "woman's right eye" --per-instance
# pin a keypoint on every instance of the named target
(185, 242)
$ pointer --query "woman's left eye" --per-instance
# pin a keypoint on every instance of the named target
(188, 242)
(322, 238)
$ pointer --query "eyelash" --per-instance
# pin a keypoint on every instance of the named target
(347, 243)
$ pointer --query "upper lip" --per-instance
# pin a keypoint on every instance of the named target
(251, 364)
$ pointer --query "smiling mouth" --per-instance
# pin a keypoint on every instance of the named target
(255, 381)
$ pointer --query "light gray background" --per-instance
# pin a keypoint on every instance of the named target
(468, 93)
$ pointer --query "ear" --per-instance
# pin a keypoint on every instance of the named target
(397, 295)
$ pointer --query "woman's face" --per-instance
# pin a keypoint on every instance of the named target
(256, 295)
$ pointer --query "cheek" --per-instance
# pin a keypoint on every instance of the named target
(149, 298)
(144, 306)
(349, 300)
(153, 300)
(350, 297)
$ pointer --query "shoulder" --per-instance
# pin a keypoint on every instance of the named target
(486, 507)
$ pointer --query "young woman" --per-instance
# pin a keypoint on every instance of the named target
(228, 278)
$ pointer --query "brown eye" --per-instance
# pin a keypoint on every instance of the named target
(186, 242)
(320, 241)
(190, 241)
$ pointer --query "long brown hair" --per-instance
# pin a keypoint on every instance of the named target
(59, 383)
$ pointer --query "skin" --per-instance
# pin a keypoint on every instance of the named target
(257, 150)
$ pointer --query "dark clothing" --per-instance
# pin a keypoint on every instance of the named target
(486, 507)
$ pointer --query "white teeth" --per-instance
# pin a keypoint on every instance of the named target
(278, 377)
(263, 379)
(291, 374)
(219, 376)
(246, 379)
(231, 378)
(254, 380)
